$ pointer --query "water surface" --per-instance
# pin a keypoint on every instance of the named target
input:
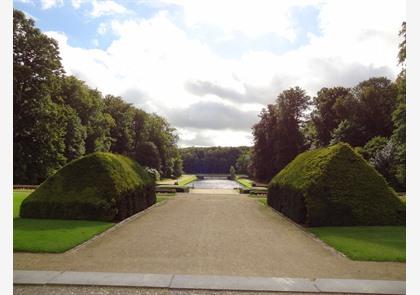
(215, 183)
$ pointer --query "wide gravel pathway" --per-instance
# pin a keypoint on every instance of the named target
(212, 234)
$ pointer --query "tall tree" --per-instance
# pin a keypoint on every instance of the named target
(178, 168)
(139, 127)
(147, 155)
(375, 99)
(89, 106)
(324, 116)
(365, 112)
(277, 136)
(264, 133)
(122, 132)
(243, 162)
(399, 115)
(164, 137)
(38, 133)
(75, 134)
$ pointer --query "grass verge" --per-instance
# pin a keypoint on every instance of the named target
(186, 179)
(50, 235)
(165, 181)
(18, 197)
(370, 243)
(263, 201)
(245, 182)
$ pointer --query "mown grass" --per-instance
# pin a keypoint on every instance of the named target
(50, 235)
(165, 181)
(186, 179)
(263, 201)
(18, 197)
(371, 243)
(245, 182)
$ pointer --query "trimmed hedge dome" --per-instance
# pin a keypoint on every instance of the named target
(334, 186)
(99, 186)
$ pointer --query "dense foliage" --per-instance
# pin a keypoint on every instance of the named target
(58, 118)
(374, 108)
(214, 159)
(277, 137)
(100, 186)
(334, 186)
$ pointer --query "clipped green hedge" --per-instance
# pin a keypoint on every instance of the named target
(100, 186)
(252, 190)
(177, 188)
(334, 186)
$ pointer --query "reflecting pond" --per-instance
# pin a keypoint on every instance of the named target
(215, 183)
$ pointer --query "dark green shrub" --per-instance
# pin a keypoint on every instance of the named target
(147, 154)
(254, 190)
(99, 186)
(334, 186)
(178, 188)
(244, 190)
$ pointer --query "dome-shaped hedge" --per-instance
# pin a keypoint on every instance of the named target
(334, 186)
(99, 186)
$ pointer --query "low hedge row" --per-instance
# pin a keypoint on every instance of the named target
(178, 188)
(253, 190)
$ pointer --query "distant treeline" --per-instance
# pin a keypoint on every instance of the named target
(215, 159)
(58, 118)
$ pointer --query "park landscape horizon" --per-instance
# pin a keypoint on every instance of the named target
(291, 177)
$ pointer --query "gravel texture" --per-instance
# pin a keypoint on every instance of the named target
(66, 290)
(211, 234)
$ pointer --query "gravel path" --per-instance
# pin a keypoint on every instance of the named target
(212, 234)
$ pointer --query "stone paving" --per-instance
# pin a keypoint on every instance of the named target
(194, 282)
(93, 290)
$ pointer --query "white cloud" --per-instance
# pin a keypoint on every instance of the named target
(208, 137)
(249, 18)
(25, 1)
(158, 66)
(77, 3)
(47, 4)
(106, 7)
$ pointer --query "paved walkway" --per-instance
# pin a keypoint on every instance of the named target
(211, 235)
(216, 283)
(95, 290)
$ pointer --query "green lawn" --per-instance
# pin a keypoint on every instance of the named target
(245, 182)
(18, 197)
(186, 179)
(263, 201)
(374, 243)
(47, 235)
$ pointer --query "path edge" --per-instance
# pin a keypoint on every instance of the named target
(203, 282)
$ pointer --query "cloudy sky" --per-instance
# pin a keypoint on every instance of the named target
(209, 67)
